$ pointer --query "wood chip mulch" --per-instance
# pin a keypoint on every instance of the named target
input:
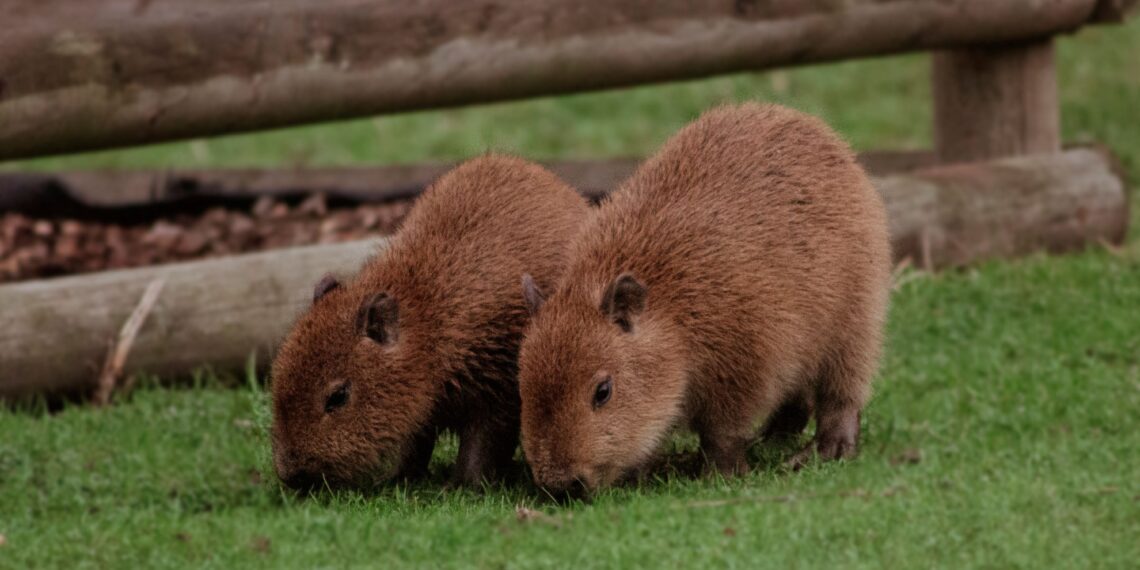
(33, 248)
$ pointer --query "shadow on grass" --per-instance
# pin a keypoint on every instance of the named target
(680, 462)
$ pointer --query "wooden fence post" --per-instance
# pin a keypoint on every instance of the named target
(998, 101)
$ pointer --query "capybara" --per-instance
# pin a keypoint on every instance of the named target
(740, 275)
(425, 338)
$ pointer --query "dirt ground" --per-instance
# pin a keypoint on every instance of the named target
(32, 248)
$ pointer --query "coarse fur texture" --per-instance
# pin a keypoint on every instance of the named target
(426, 336)
(741, 274)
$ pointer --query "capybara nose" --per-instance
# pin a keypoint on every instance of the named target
(567, 489)
(301, 480)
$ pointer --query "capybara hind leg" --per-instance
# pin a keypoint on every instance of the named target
(843, 388)
(836, 437)
(788, 421)
(486, 450)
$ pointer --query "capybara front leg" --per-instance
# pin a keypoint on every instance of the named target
(486, 450)
(418, 457)
(725, 453)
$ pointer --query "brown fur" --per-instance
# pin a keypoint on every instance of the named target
(749, 262)
(442, 298)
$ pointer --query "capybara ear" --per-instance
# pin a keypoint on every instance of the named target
(326, 284)
(378, 318)
(532, 294)
(623, 300)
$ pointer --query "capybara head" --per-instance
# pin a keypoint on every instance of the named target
(348, 394)
(601, 382)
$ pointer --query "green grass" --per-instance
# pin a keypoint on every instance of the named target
(1016, 385)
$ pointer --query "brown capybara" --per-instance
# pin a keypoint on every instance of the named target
(740, 275)
(425, 338)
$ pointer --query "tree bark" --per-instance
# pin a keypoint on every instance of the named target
(54, 334)
(78, 75)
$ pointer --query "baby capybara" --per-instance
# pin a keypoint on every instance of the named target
(740, 275)
(426, 337)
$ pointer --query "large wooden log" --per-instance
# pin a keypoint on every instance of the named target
(80, 75)
(959, 214)
(54, 334)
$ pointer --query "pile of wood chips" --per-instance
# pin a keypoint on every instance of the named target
(35, 248)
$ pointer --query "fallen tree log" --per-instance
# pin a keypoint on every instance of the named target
(218, 312)
(78, 75)
(955, 215)
(54, 334)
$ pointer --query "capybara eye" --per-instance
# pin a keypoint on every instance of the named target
(603, 392)
(337, 399)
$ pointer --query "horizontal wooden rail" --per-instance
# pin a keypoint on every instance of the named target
(54, 334)
(78, 75)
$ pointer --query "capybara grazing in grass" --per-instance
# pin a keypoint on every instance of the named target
(740, 275)
(426, 336)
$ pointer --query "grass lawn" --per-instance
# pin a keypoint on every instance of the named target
(1004, 431)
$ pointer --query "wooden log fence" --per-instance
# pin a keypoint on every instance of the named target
(217, 312)
(79, 75)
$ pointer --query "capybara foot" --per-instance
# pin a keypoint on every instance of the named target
(836, 437)
(725, 456)
(733, 468)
